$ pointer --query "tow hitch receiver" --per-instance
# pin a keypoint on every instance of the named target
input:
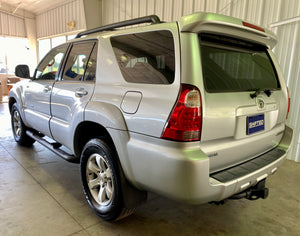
(253, 193)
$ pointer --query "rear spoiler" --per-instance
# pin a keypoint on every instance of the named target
(228, 26)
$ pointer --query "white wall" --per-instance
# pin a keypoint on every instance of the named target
(54, 21)
(19, 24)
(12, 26)
(92, 9)
(85, 13)
(260, 12)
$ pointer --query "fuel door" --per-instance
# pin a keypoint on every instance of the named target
(131, 102)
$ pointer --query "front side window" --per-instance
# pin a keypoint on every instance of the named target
(48, 67)
(231, 65)
(146, 57)
(79, 62)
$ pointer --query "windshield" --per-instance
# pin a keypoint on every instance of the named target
(231, 65)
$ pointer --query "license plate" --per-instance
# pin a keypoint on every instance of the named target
(255, 123)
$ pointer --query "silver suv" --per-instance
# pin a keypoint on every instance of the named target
(194, 110)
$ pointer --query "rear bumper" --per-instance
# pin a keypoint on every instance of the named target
(245, 175)
(181, 171)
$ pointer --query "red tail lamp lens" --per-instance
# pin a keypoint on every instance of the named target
(289, 103)
(253, 26)
(185, 121)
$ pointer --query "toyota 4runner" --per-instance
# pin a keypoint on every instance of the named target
(194, 110)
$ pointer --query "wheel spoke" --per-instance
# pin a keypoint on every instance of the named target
(109, 190)
(102, 195)
(16, 116)
(94, 183)
(108, 174)
(93, 167)
(102, 165)
(18, 133)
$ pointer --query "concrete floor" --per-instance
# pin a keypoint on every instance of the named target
(41, 194)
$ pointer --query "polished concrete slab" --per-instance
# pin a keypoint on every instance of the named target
(41, 194)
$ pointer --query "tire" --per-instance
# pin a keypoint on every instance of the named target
(101, 180)
(19, 128)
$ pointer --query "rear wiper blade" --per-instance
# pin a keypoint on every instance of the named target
(268, 92)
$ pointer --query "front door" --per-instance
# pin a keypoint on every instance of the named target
(73, 91)
(38, 91)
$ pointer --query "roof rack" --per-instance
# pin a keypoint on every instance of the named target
(154, 19)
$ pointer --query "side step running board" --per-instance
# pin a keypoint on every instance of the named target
(54, 147)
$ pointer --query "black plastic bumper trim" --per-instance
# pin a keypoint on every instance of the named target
(249, 166)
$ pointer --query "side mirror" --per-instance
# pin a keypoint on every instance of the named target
(22, 71)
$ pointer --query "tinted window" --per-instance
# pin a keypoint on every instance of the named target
(90, 72)
(78, 61)
(48, 67)
(230, 65)
(146, 57)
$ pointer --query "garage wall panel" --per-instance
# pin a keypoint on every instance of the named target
(266, 13)
(54, 21)
(11, 25)
(288, 54)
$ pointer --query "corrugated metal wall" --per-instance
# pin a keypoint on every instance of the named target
(54, 21)
(260, 12)
(11, 25)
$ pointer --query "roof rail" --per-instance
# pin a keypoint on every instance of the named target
(154, 19)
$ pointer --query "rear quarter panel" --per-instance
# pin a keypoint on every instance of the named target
(157, 100)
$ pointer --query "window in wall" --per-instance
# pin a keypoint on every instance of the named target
(3, 67)
(70, 37)
(58, 41)
(14, 51)
(44, 47)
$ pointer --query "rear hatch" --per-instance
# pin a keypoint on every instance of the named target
(244, 100)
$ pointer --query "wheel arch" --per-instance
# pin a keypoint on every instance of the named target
(88, 130)
(11, 102)
(15, 96)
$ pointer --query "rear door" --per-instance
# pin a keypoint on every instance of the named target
(244, 111)
(72, 92)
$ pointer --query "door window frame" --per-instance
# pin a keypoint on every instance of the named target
(66, 57)
(57, 75)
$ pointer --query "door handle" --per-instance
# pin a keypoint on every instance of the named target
(47, 88)
(80, 92)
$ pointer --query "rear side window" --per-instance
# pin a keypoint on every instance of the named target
(231, 65)
(80, 66)
(146, 57)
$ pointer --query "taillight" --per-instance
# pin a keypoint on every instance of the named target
(185, 121)
(253, 26)
(289, 103)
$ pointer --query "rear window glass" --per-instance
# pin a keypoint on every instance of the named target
(231, 65)
(146, 57)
